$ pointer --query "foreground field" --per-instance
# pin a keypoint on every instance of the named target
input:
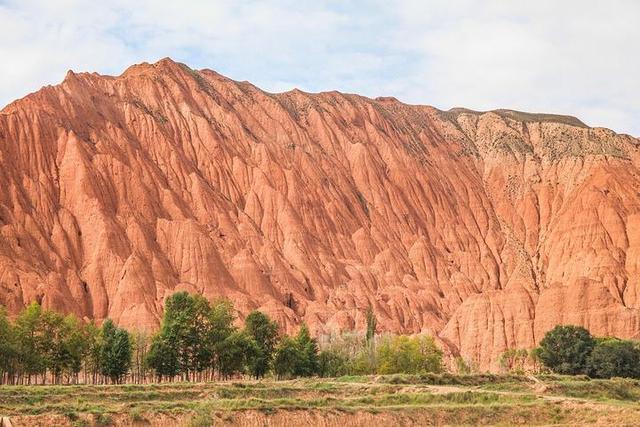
(360, 401)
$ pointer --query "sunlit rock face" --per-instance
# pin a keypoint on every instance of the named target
(483, 229)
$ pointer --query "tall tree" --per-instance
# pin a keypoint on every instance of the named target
(191, 337)
(265, 333)
(221, 319)
(163, 357)
(30, 341)
(200, 332)
(140, 343)
(187, 329)
(93, 355)
(76, 343)
(308, 348)
(116, 352)
(287, 358)
(54, 349)
(8, 351)
(372, 323)
(176, 329)
(237, 352)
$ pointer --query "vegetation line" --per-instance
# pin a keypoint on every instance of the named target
(197, 341)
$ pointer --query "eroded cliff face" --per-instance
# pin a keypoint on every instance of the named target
(484, 229)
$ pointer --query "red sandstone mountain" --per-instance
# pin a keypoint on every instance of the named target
(485, 229)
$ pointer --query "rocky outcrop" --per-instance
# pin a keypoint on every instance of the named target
(485, 229)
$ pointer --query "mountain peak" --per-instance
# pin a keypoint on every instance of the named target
(522, 116)
(163, 65)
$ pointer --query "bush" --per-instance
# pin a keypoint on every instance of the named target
(201, 419)
(71, 414)
(409, 355)
(104, 420)
(514, 360)
(566, 348)
(462, 367)
(614, 358)
(331, 364)
(136, 415)
(355, 350)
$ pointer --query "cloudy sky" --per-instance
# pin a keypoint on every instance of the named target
(578, 57)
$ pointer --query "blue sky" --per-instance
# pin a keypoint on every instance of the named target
(570, 57)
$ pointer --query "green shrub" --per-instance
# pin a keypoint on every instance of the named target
(462, 367)
(614, 358)
(514, 360)
(566, 348)
(104, 420)
(362, 363)
(136, 414)
(409, 355)
(201, 419)
(71, 414)
(331, 364)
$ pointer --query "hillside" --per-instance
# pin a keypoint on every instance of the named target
(483, 229)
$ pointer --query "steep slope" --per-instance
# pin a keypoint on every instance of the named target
(485, 229)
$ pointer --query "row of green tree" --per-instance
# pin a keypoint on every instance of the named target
(572, 350)
(43, 346)
(197, 341)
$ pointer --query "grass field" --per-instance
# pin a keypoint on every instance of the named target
(364, 401)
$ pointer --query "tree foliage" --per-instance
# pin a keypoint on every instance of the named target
(238, 354)
(613, 357)
(197, 340)
(514, 360)
(566, 348)
(115, 357)
(163, 357)
(332, 364)
(409, 355)
(287, 358)
(265, 334)
(42, 346)
(197, 337)
(308, 348)
(8, 349)
(372, 323)
(296, 357)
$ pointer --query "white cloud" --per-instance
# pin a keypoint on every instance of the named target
(572, 57)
